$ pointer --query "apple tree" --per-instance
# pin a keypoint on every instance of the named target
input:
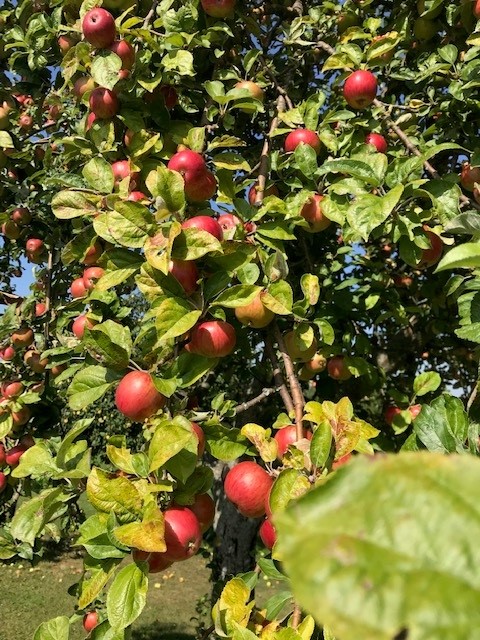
(253, 233)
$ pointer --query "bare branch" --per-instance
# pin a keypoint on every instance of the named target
(278, 376)
(254, 401)
(150, 14)
(295, 388)
(264, 158)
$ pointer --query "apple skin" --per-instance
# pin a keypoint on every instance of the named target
(219, 8)
(200, 187)
(11, 230)
(34, 245)
(182, 533)
(25, 122)
(33, 360)
(267, 533)
(125, 52)
(337, 369)
(312, 212)
(156, 561)
(228, 221)
(393, 411)
(255, 314)
(269, 191)
(476, 9)
(122, 169)
(246, 486)
(360, 89)
(79, 325)
(82, 86)
(11, 389)
(2, 455)
(187, 163)
(90, 276)
(205, 223)
(7, 354)
(93, 254)
(23, 337)
(98, 27)
(285, 437)
(316, 365)
(90, 120)
(170, 95)
(212, 339)
(186, 272)
(65, 43)
(136, 196)
(200, 183)
(90, 621)
(198, 431)
(3, 482)
(341, 461)
(377, 141)
(137, 397)
(431, 256)
(77, 288)
(103, 103)
(469, 176)
(21, 216)
(13, 455)
(21, 417)
(204, 509)
(295, 352)
(302, 136)
(253, 88)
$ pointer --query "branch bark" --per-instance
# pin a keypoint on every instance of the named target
(254, 401)
(278, 376)
(293, 383)
(264, 159)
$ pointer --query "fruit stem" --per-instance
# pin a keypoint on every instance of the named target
(295, 388)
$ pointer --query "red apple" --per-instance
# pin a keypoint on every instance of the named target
(268, 534)
(90, 621)
(337, 369)
(21, 417)
(431, 256)
(247, 485)
(200, 187)
(125, 52)
(156, 561)
(312, 212)
(122, 169)
(302, 136)
(137, 397)
(390, 413)
(98, 27)
(316, 365)
(285, 437)
(7, 354)
(476, 9)
(2, 455)
(136, 196)
(187, 163)
(3, 482)
(182, 533)
(90, 120)
(77, 288)
(13, 455)
(34, 361)
(79, 325)
(103, 103)
(11, 230)
(21, 216)
(90, 277)
(415, 410)
(469, 176)
(23, 337)
(254, 314)
(205, 223)
(212, 339)
(93, 254)
(65, 43)
(82, 86)
(169, 94)
(377, 141)
(204, 509)
(219, 8)
(228, 221)
(198, 431)
(269, 191)
(34, 246)
(186, 272)
(360, 89)
(25, 122)
(11, 389)
(296, 352)
(341, 461)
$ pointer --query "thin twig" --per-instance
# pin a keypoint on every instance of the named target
(254, 401)
(48, 297)
(295, 388)
(278, 376)
(150, 14)
(297, 616)
(273, 78)
(472, 397)
(264, 158)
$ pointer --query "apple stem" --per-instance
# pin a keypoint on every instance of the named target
(134, 365)
(278, 377)
(264, 158)
(295, 388)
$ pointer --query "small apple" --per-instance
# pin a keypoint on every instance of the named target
(269, 191)
(90, 277)
(65, 43)
(186, 272)
(313, 214)
(11, 389)
(476, 9)
(425, 29)
(302, 136)
(83, 85)
(136, 196)
(187, 163)
(204, 223)
(21, 216)
(77, 288)
(200, 187)
(169, 94)
(125, 52)
(255, 92)
(156, 561)
(7, 354)
(254, 314)
(103, 103)
(90, 621)
(295, 351)
(23, 337)
(182, 533)
(360, 89)
(469, 176)
(137, 397)
(25, 122)
(247, 485)
(268, 534)
(431, 256)
(80, 324)
(204, 508)
(198, 431)
(341, 461)
(285, 437)
(212, 339)
(34, 246)
(316, 365)
(122, 169)
(98, 27)
(11, 230)
(34, 361)
(90, 120)
(13, 455)
(337, 369)
(21, 417)
(228, 221)
(219, 8)
(377, 141)
(93, 254)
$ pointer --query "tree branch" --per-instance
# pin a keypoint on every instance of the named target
(295, 388)
(473, 397)
(264, 159)
(150, 14)
(278, 376)
(254, 401)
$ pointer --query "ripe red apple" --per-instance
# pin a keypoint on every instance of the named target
(182, 533)
(297, 353)
(23, 337)
(204, 509)
(34, 246)
(390, 413)
(11, 389)
(156, 561)
(247, 485)
(377, 141)
(337, 369)
(198, 431)
(122, 169)
(82, 86)
(302, 136)
(11, 230)
(268, 534)
(469, 176)
(212, 339)
(21, 216)
(13, 455)
(3, 482)
(90, 120)
(125, 52)
(269, 191)
(98, 27)
(90, 621)
(219, 8)
(137, 397)
(415, 410)
(285, 437)
(316, 365)
(187, 163)
(186, 272)
(21, 417)
(79, 325)
(90, 277)
(312, 212)
(7, 354)
(65, 43)
(254, 314)
(34, 361)
(341, 461)
(431, 256)
(169, 94)
(200, 187)
(93, 254)
(77, 288)
(476, 9)
(103, 103)
(228, 221)
(136, 196)
(205, 223)
(360, 89)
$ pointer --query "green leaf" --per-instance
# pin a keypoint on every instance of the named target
(355, 168)
(174, 318)
(237, 296)
(99, 175)
(127, 596)
(279, 298)
(269, 568)
(192, 244)
(321, 444)
(117, 495)
(147, 535)
(465, 256)
(168, 185)
(171, 437)
(442, 426)
(97, 574)
(55, 629)
(130, 224)
(276, 604)
(72, 204)
(88, 385)
(376, 551)
(367, 212)
(179, 60)
(310, 287)
(426, 383)
(110, 343)
(31, 516)
(36, 462)
(290, 484)
(306, 160)
(105, 68)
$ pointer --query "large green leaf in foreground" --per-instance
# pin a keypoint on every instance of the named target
(389, 548)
